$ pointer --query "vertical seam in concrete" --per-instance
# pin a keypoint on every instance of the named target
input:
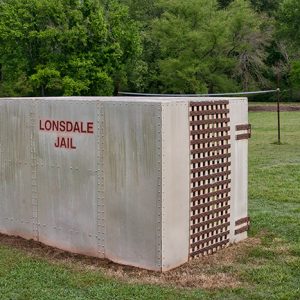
(100, 180)
(34, 192)
(163, 195)
(159, 179)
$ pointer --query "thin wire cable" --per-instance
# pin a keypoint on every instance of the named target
(197, 95)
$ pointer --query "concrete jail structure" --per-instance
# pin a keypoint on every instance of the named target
(147, 182)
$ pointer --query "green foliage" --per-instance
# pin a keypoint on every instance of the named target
(47, 79)
(249, 36)
(288, 33)
(200, 48)
(99, 47)
(289, 21)
(295, 74)
(224, 3)
(269, 6)
(142, 10)
(67, 47)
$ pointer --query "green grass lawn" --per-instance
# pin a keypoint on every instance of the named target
(269, 269)
(253, 103)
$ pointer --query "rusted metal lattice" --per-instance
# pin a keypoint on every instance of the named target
(210, 176)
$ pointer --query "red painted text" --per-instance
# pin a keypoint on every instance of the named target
(63, 126)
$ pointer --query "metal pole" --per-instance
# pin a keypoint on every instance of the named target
(278, 114)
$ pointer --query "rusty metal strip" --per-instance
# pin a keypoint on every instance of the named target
(209, 103)
(210, 185)
(210, 158)
(209, 230)
(210, 130)
(209, 112)
(211, 176)
(242, 229)
(209, 140)
(242, 221)
(212, 194)
(210, 203)
(220, 218)
(211, 167)
(243, 127)
(211, 247)
(211, 238)
(210, 149)
(244, 136)
(209, 121)
(210, 212)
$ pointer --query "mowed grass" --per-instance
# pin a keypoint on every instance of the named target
(270, 269)
(273, 103)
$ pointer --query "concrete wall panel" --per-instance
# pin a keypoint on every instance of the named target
(67, 179)
(16, 210)
(239, 167)
(133, 183)
(175, 184)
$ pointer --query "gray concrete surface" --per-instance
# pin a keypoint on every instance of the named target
(121, 191)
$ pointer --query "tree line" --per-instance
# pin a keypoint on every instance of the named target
(101, 47)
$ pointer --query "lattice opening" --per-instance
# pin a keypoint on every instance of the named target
(210, 176)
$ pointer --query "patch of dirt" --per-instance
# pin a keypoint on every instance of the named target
(208, 272)
(273, 108)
